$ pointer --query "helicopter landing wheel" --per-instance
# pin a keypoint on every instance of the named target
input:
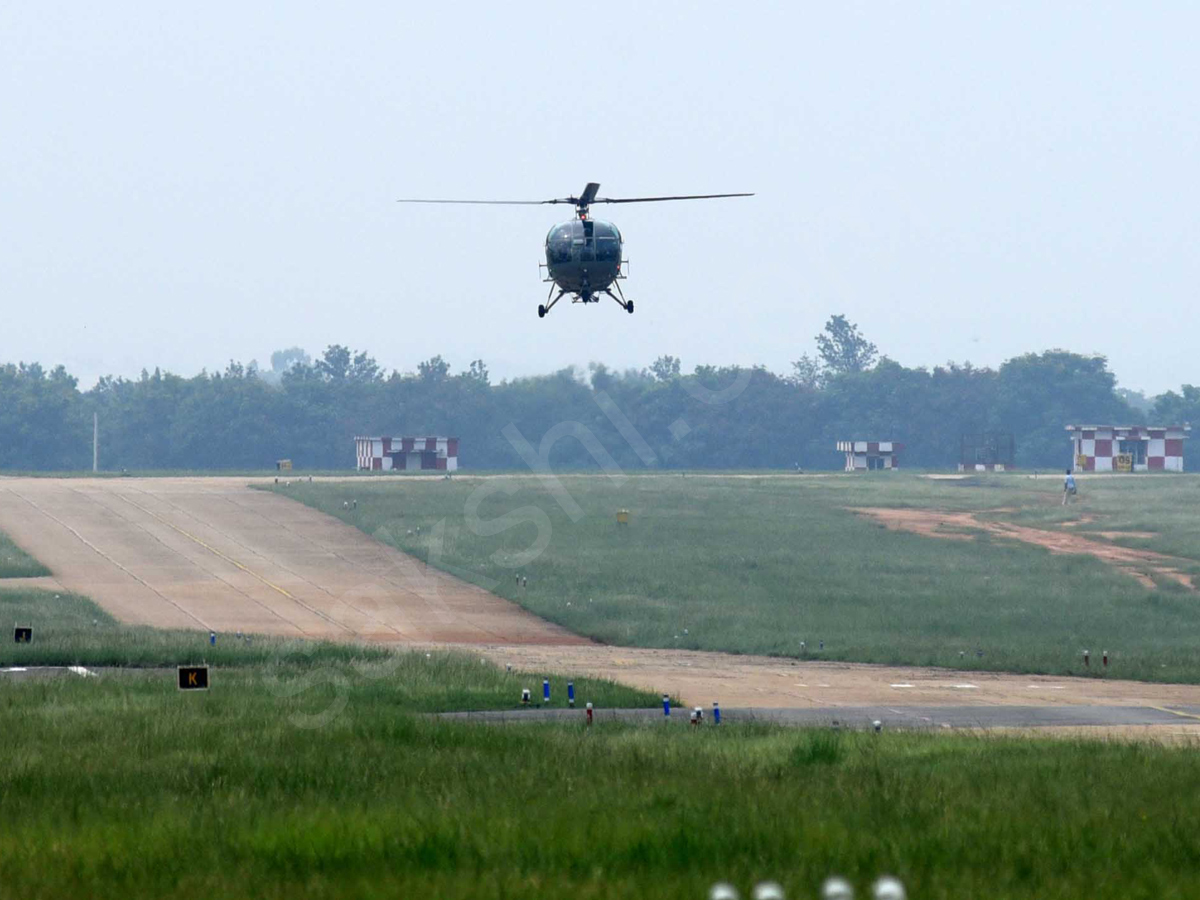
(541, 311)
(629, 307)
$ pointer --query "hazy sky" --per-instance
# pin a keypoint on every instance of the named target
(181, 184)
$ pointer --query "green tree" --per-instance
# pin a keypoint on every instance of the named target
(807, 373)
(282, 360)
(433, 371)
(1178, 409)
(666, 368)
(1039, 394)
(334, 364)
(843, 349)
(364, 369)
(478, 371)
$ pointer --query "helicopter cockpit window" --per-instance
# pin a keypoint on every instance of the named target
(608, 243)
(558, 244)
(607, 250)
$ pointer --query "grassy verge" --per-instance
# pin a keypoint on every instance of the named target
(16, 563)
(71, 630)
(119, 787)
(760, 564)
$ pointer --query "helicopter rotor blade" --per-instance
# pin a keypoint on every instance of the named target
(659, 199)
(496, 202)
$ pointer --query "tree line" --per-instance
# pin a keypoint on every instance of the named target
(720, 417)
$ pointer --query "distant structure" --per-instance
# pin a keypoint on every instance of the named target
(870, 455)
(387, 454)
(987, 451)
(1128, 448)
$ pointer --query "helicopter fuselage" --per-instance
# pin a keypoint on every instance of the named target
(583, 256)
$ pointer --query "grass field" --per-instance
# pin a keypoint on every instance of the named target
(123, 787)
(16, 563)
(311, 769)
(71, 630)
(758, 564)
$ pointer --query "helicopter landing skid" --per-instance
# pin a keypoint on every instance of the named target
(626, 305)
(545, 308)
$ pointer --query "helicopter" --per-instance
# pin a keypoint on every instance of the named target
(583, 256)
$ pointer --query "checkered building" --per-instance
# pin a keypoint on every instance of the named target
(870, 455)
(1128, 448)
(385, 454)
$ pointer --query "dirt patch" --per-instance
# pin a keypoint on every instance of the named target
(1141, 564)
(1085, 519)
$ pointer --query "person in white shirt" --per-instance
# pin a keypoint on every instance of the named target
(1068, 487)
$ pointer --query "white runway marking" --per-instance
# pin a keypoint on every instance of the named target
(967, 687)
(80, 670)
(901, 685)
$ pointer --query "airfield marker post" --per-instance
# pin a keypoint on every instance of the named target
(667, 705)
(1104, 658)
(716, 713)
(571, 694)
(1087, 660)
(589, 715)
(545, 690)
(525, 696)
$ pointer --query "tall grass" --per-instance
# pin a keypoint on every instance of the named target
(120, 787)
(16, 563)
(760, 565)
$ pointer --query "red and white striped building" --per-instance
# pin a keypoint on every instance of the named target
(386, 454)
(1128, 448)
(870, 455)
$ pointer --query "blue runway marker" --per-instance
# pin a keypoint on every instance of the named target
(666, 705)
(570, 693)
(546, 690)
(212, 638)
(716, 713)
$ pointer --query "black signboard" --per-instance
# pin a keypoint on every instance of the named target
(23, 634)
(193, 678)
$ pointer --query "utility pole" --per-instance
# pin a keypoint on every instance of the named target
(95, 442)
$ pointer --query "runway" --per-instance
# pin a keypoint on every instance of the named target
(864, 717)
(215, 555)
